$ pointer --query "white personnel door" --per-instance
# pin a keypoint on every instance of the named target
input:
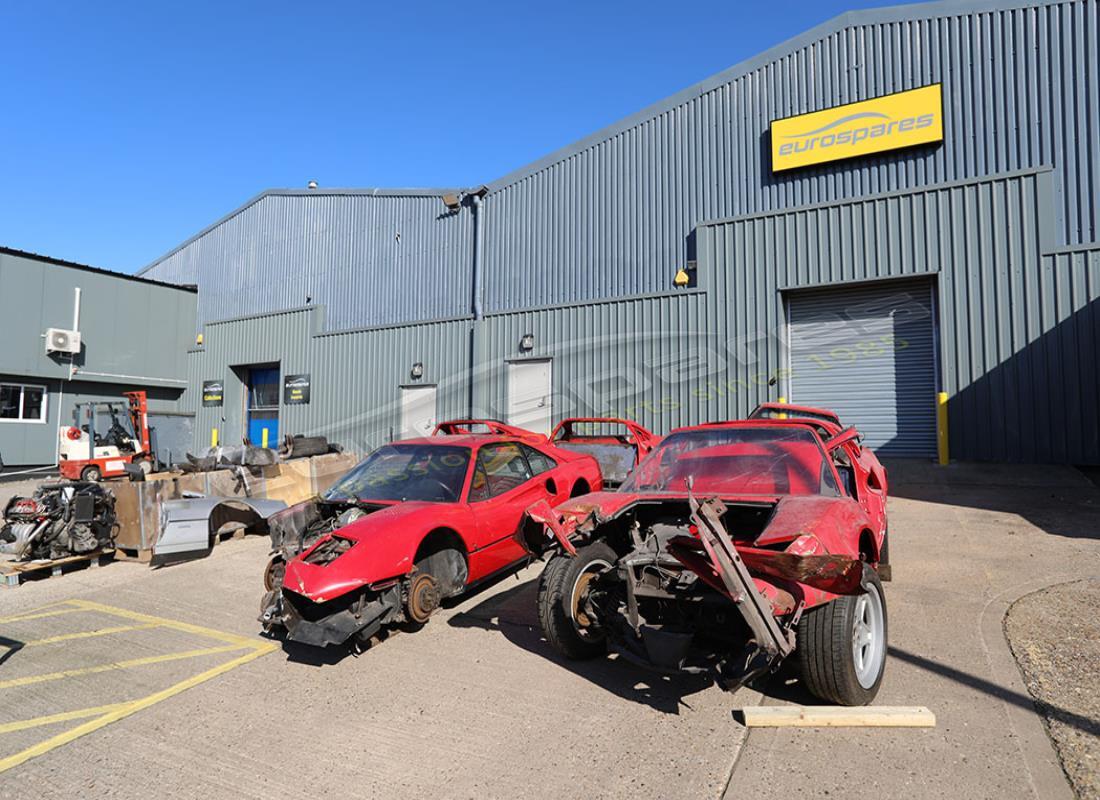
(529, 395)
(417, 411)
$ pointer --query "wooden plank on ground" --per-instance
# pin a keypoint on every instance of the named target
(838, 716)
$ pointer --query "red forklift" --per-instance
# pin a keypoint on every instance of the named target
(108, 440)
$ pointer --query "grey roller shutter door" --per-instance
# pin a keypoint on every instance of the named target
(868, 353)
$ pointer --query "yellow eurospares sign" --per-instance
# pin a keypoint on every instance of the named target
(857, 129)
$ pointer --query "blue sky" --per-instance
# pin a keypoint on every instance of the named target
(127, 127)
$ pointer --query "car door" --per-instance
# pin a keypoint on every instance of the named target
(502, 487)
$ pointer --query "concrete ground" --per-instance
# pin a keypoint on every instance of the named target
(154, 682)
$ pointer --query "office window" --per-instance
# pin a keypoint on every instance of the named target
(22, 403)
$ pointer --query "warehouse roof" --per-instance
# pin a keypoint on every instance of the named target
(60, 262)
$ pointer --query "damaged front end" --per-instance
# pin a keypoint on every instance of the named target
(305, 540)
(680, 584)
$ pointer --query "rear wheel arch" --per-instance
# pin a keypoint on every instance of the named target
(580, 487)
(868, 548)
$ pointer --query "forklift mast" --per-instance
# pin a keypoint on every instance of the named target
(139, 418)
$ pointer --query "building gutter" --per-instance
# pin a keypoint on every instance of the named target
(473, 401)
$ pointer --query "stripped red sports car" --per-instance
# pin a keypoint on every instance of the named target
(414, 523)
(618, 444)
(732, 546)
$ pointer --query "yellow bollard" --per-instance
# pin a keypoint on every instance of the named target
(213, 437)
(784, 401)
(263, 439)
(941, 427)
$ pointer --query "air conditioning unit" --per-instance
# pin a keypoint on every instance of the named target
(59, 340)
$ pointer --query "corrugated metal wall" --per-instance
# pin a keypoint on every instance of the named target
(1018, 330)
(129, 327)
(1019, 324)
(613, 215)
(369, 259)
(355, 375)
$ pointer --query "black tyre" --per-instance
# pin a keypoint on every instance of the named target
(90, 474)
(562, 587)
(842, 647)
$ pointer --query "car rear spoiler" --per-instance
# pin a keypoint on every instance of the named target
(788, 411)
(457, 427)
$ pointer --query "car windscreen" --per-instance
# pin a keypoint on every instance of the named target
(398, 471)
(736, 461)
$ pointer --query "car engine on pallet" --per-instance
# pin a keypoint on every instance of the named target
(60, 520)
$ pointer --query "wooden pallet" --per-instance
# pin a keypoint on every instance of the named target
(13, 573)
(141, 555)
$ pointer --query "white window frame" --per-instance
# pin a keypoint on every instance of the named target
(43, 417)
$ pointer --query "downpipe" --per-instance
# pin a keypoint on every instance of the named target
(478, 305)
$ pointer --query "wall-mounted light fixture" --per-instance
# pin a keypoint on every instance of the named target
(417, 371)
(685, 275)
(527, 342)
(452, 200)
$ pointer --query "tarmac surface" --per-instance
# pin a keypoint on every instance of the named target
(129, 682)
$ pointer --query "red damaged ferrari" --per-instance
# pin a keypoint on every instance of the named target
(414, 523)
(730, 547)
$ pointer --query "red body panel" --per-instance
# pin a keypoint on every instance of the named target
(385, 542)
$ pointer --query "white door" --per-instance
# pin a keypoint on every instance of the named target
(529, 395)
(417, 411)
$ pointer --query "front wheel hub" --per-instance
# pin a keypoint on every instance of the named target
(423, 597)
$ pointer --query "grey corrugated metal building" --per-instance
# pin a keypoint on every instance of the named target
(134, 334)
(969, 264)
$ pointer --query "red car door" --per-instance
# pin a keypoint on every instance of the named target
(502, 488)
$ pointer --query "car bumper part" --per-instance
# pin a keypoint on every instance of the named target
(360, 615)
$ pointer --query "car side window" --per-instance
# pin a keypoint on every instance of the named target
(539, 461)
(500, 468)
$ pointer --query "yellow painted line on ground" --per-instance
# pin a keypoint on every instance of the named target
(186, 627)
(258, 649)
(40, 615)
(133, 662)
(64, 716)
(90, 634)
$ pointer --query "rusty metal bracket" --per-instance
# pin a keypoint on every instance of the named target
(707, 516)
